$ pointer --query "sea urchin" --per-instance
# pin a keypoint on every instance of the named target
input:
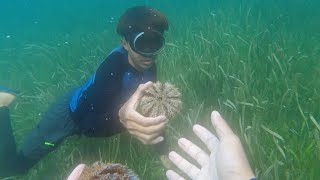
(160, 99)
(110, 171)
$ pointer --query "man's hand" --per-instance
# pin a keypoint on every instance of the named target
(146, 129)
(226, 160)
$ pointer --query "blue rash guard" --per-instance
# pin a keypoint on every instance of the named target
(95, 105)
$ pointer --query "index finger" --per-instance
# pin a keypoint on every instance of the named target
(206, 137)
(194, 151)
(138, 94)
(222, 128)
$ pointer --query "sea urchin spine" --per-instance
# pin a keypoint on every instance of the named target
(110, 171)
(160, 99)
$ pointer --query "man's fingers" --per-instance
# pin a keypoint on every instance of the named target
(210, 140)
(154, 141)
(171, 175)
(145, 137)
(157, 140)
(138, 94)
(220, 125)
(185, 166)
(194, 151)
(145, 121)
(133, 126)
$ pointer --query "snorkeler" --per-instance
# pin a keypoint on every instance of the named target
(105, 105)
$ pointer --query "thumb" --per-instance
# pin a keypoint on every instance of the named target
(221, 127)
(138, 94)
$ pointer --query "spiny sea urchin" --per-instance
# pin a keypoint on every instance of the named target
(110, 171)
(160, 99)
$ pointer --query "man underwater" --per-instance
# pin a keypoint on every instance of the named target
(102, 107)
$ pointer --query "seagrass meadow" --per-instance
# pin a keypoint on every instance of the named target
(255, 61)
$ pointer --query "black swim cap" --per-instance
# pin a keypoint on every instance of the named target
(141, 19)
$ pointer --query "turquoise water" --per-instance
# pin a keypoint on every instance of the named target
(50, 47)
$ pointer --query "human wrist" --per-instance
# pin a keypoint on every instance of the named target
(247, 174)
(244, 174)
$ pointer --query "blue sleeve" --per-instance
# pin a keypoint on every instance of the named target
(101, 91)
(107, 83)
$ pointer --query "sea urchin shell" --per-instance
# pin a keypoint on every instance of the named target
(110, 171)
(160, 99)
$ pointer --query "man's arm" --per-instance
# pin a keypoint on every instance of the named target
(106, 84)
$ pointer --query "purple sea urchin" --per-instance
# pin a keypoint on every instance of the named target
(110, 171)
(160, 99)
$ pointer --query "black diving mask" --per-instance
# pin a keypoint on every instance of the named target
(147, 44)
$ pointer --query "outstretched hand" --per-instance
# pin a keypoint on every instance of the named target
(227, 159)
(146, 129)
